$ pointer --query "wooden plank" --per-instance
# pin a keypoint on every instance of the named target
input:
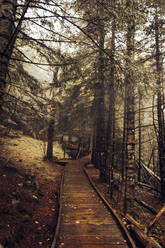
(91, 242)
(80, 200)
(91, 229)
(77, 189)
(85, 222)
(88, 218)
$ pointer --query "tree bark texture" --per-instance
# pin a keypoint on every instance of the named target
(140, 136)
(99, 101)
(110, 136)
(123, 152)
(54, 111)
(160, 105)
(49, 155)
(93, 155)
(7, 15)
(130, 102)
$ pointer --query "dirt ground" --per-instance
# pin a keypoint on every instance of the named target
(142, 215)
(28, 192)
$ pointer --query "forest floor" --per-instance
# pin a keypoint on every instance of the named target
(142, 215)
(28, 192)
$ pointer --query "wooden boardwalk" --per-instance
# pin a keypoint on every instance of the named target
(85, 221)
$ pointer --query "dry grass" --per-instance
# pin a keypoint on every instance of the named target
(27, 152)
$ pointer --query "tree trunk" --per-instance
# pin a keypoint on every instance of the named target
(99, 101)
(123, 152)
(54, 111)
(110, 136)
(160, 106)
(8, 35)
(49, 155)
(79, 148)
(7, 15)
(130, 116)
(93, 149)
(140, 146)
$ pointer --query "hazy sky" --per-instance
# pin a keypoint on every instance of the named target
(42, 73)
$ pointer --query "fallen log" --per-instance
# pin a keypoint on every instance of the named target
(157, 217)
(148, 186)
(144, 204)
(131, 220)
(142, 238)
(150, 172)
(138, 232)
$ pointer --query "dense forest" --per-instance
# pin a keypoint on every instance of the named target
(89, 74)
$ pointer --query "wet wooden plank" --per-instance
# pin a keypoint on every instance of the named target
(82, 199)
(91, 242)
(77, 189)
(86, 213)
(91, 229)
(89, 218)
(85, 222)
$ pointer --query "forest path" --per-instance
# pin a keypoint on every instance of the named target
(85, 222)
